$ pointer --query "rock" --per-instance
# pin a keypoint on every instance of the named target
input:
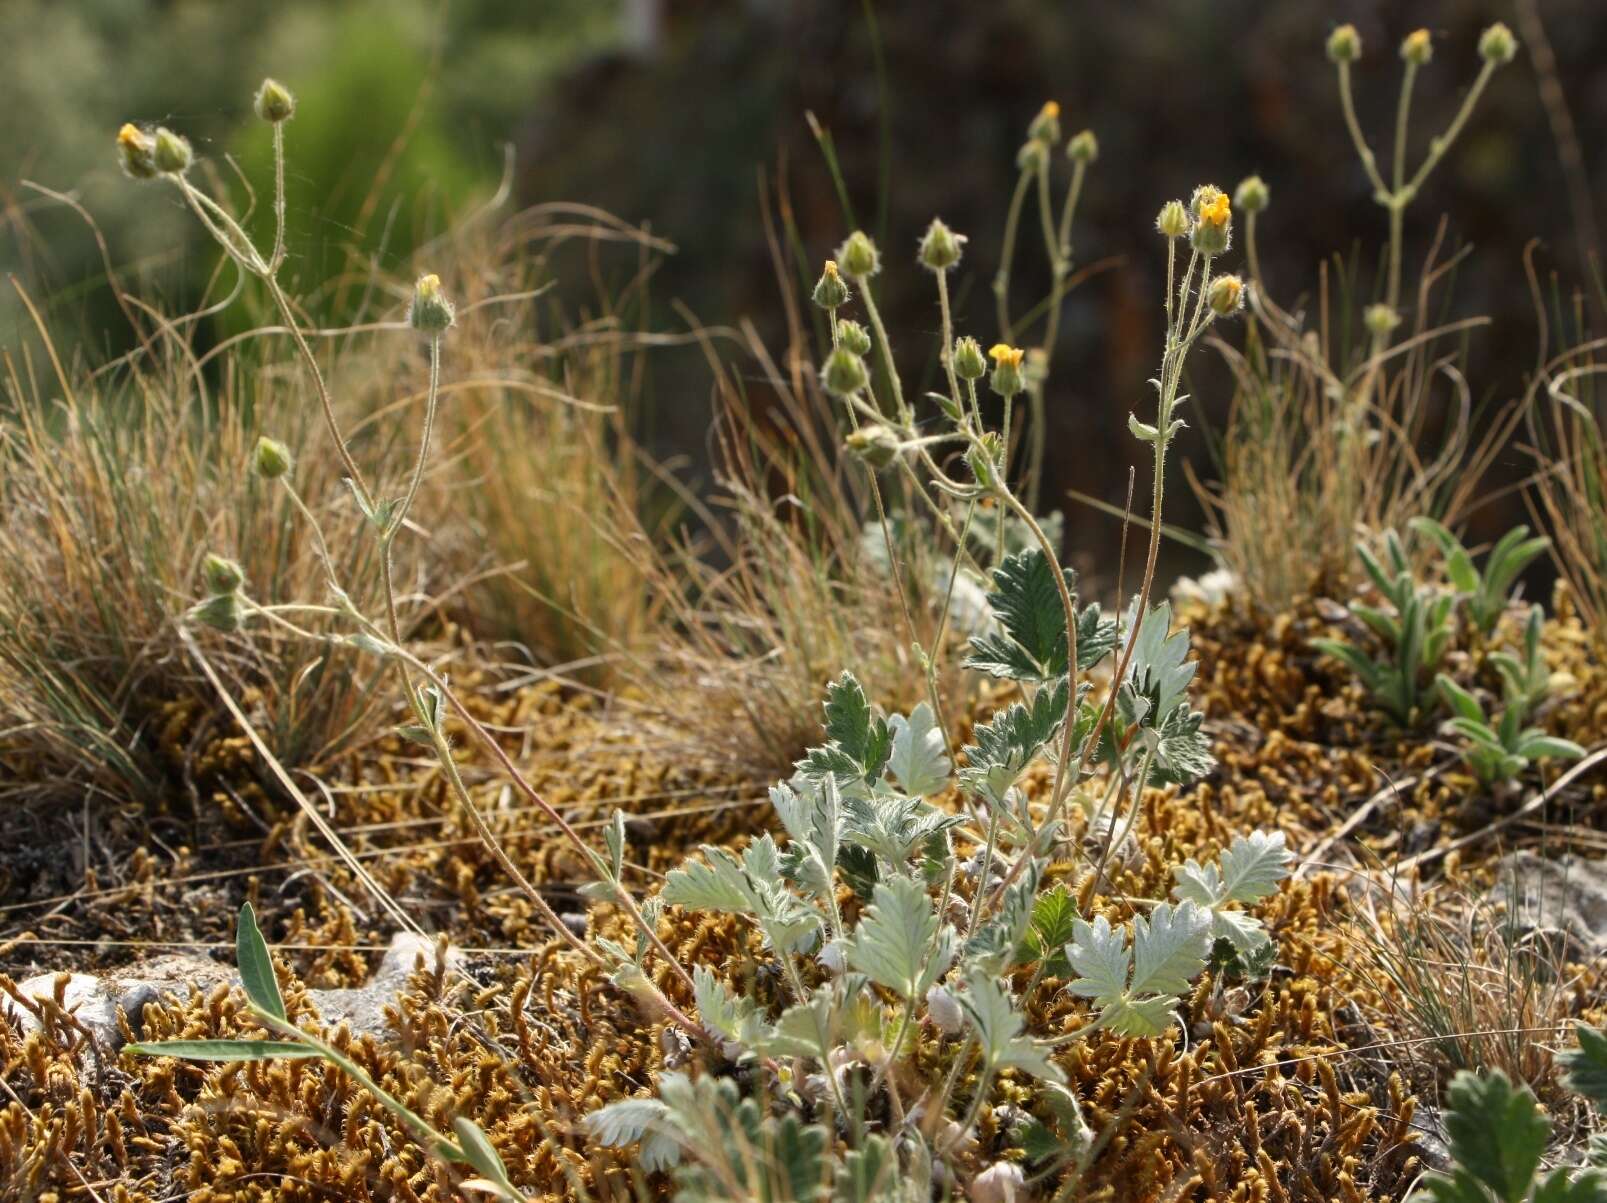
(95, 1001)
(1562, 896)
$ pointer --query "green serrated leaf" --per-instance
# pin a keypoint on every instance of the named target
(1585, 1065)
(851, 725)
(1497, 1133)
(897, 943)
(1009, 742)
(919, 760)
(256, 965)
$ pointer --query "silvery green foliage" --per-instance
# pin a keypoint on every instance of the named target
(1137, 984)
(1153, 718)
(858, 811)
(1246, 873)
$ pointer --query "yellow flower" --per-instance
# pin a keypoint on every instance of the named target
(1417, 47)
(130, 136)
(1002, 353)
(1214, 208)
(1051, 109)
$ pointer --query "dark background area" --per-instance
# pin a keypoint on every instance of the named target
(678, 112)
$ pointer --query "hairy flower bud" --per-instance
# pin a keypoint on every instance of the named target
(944, 1010)
(940, 247)
(171, 152)
(983, 460)
(831, 290)
(1083, 147)
(272, 458)
(221, 611)
(843, 373)
(1033, 156)
(136, 152)
(876, 444)
(853, 337)
(1006, 378)
(1045, 126)
(222, 575)
(969, 363)
(1226, 295)
(1344, 44)
(274, 103)
(859, 257)
(1252, 194)
(430, 311)
(1380, 319)
(1497, 45)
(1001, 1182)
(1213, 220)
(1417, 47)
(1173, 219)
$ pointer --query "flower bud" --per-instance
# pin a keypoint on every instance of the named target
(272, 459)
(429, 310)
(1083, 147)
(1252, 194)
(983, 460)
(221, 611)
(1344, 44)
(171, 153)
(843, 373)
(1033, 156)
(1213, 220)
(1045, 126)
(854, 337)
(1036, 369)
(1497, 45)
(1417, 47)
(136, 151)
(222, 575)
(969, 363)
(1001, 1182)
(876, 444)
(1380, 319)
(944, 1010)
(859, 257)
(831, 290)
(940, 247)
(1226, 296)
(1006, 378)
(1173, 219)
(274, 103)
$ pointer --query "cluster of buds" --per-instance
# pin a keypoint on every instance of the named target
(224, 579)
(1497, 45)
(146, 154)
(1043, 135)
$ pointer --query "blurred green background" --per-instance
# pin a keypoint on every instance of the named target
(681, 113)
